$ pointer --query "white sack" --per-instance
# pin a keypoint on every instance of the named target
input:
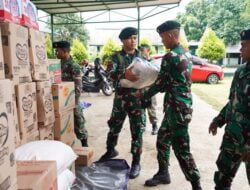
(65, 180)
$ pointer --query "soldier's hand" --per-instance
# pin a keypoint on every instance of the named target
(213, 128)
(130, 75)
(245, 157)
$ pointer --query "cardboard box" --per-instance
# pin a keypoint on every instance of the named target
(46, 132)
(16, 52)
(64, 128)
(10, 11)
(31, 136)
(85, 156)
(63, 96)
(38, 56)
(27, 108)
(16, 122)
(7, 136)
(2, 74)
(55, 71)
(29, 14)
(37, 175)
(45, 110)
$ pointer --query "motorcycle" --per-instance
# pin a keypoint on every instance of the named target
(100, 81)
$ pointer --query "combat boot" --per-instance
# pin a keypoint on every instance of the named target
(135, 169)
(111, 153)
(222, 188)
(84, 142)
(161, 177)
(154, 129)
(196, 185)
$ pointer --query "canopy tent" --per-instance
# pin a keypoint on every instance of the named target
(59, 7)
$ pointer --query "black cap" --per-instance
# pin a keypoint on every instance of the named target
(168, 25)
(61, 44)
(144, 46)
(127, 32)
(245, 35)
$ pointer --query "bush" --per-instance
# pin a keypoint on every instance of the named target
(211, 47)
(78, 51)
(48, 47)
(109, 48)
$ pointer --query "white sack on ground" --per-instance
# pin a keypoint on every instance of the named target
(147, 72)
(47, 150)
(65, 180)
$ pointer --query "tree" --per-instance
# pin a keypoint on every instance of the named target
(108, 49)
(146, 41)
(48, 46)
(246, 14)
(78, 51)
(211, 47)
(65, 29)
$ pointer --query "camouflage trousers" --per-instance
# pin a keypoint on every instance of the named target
(174, 132)
(152, 111)
(229, 159)
(79, 121)
(122, 106)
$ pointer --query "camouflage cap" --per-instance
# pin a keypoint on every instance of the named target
(127, 32)
(61, 44)
(245, 35)
(168, 25)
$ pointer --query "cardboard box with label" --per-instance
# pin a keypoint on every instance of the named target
(10, 11)
(64, 128)
(16, 122)
(29, 14)
(27, 108)
(46, 132)
(63, 96)
(37, 175)
(7, 136)
(85, 156)
(31, 136)
(16, 52)
(45, 110)
(55, 71)
(2, 74)
(38, 56)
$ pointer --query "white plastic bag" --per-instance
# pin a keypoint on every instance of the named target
(65, 180)
(147, 72)
(47, 150)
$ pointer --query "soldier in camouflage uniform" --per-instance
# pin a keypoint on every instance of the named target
(235, 114)
(174, 80)
(125, 102)
(145, 51)
(72, 72)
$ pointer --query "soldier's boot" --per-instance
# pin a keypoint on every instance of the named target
(135, 169)
(161, 177)
(154, 129)
(222, 188)
(111, 153)
(196, 185)
(84, 142)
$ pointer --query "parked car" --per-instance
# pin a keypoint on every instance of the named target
(202, 71)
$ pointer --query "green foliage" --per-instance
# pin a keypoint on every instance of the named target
(226, 17)
(48, 46)
(108, 49)
(146, 41)
(78, 51)
(211, 47)
(66, 29)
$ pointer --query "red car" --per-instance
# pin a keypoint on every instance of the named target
(202, 71)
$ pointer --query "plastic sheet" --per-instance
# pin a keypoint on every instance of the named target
(106, 175)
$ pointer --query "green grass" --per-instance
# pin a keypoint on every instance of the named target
(216, 95)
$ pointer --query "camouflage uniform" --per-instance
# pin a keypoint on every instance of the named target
(174, 80)
(236, 116)
(125, 103)
(72, 72)
(152, 111)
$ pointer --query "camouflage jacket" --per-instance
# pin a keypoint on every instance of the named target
(72, 72)
(238, 107)
(174, 80)
(120, 61)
